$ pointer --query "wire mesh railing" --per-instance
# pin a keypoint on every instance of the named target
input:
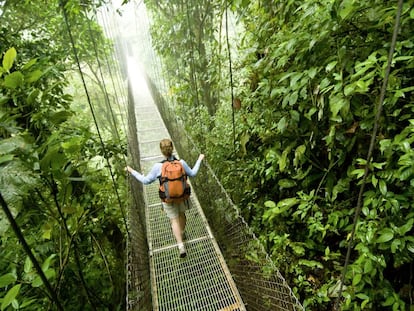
(139, 281)
(258, 280)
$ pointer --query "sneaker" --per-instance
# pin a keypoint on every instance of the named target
(182, 250)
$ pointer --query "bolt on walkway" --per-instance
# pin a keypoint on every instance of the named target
(202, 280)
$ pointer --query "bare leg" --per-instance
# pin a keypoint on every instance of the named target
(183, 221)
(176, 229)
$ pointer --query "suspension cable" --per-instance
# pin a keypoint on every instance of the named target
(108, 101)
(27, 249)
(105, 91)
(192, 64)
(104, 17)
(370, 150)
(231, 75)
(75, 52)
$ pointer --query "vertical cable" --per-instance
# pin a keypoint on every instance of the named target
(111, 74)
(29, 252)
(231, 76)
(75, 52)
(370, 150)
(192, 65)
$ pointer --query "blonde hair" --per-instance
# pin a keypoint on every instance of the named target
(166, 147)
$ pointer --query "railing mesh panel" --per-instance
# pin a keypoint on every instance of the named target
(258, 280)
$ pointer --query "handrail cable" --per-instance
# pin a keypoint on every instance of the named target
(53, 296)
(370, 150)
(94, 116)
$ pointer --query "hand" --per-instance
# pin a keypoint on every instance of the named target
(128, 169)
(201, 157)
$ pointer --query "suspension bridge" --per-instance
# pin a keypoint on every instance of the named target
(226, 268)
(208, 278)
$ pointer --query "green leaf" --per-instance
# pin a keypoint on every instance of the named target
(282, 162)
(47, 262)
(336, 103)
(364, 303)
(395, 246)
(349, 89)
(13, 80)
(327, 251)
(37, 282)
(32, 96)
(386, 235)
(7, 279)
(244, 139)
(389, 301)
(367, 266)
(293, 98)
(357, 278)
(281, 125)
(406, 227)
(6, 158)
(383, 187)
(286, 183)
(29, 64)
(28, 265)
(299, 152)
(270, 204)
(10, 296)
(362, 296)
(330, 66)
(27, 303)
(34, 76)
(346, 8)
(15, 304)
(61, 116)
(374, 181)
(298, 249)
(312, 72)
(9, 145)
(359, 172)
(310, 263)
(287, 203)
(9, 58)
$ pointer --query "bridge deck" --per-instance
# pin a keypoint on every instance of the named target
(201, 281)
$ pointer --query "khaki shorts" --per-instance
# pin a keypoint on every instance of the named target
(173, 210)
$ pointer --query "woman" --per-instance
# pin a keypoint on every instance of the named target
(174, 211)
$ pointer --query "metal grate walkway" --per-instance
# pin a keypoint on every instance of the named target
(202, 280)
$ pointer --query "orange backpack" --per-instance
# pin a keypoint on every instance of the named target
(173, 182)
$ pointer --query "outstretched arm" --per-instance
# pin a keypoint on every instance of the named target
(191, 172)
(151, 177)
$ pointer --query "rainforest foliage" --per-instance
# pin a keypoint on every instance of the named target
(291, 143)
(54, 175)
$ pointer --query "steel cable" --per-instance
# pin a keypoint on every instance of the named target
(75, 52)
(370, 150)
